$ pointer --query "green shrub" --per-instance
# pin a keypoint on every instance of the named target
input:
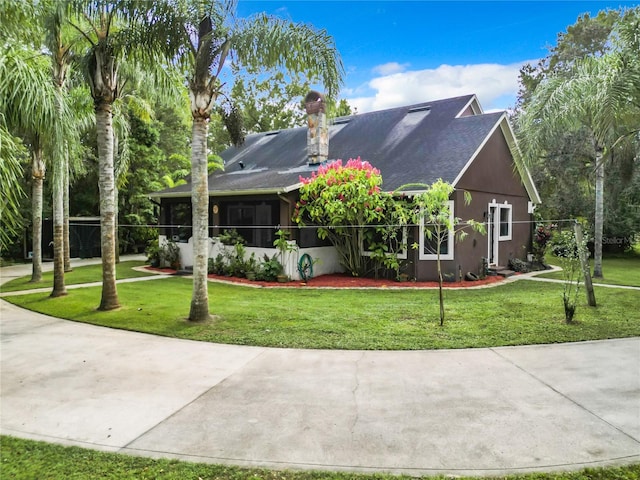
(231, 237)
(269, 269)
(171, 255)
(153, 253)
(165, 255)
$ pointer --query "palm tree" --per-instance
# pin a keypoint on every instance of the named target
(12, 150)
(32, 16)
(206, 34)
(60, 51)
(30, 106)
(113, 30)
(589, 98)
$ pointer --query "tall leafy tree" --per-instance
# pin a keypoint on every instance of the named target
(588, 36)
(11, 148)
(207, 34)
(339, 109)
(624, 211)
(139, 164)
(573, 102)
(272, 103)
(593, 97)
(564, 171)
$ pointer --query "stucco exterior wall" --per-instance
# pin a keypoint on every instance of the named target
(325, 258)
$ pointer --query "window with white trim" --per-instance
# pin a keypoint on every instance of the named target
(506, 222)
(429, 241)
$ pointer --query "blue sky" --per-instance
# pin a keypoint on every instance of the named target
(403, 52)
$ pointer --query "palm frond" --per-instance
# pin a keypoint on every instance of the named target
(18, 21)
(233, 121)
(11, 170)
(27, 96)
(584, 96)
(271, 42)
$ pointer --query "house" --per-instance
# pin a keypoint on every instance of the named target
(452, 139)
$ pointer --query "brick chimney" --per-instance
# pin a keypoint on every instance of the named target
(318, 132)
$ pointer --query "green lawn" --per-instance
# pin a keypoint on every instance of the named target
(523, 312)
(27, 459)
(617, 270)
(86, 274)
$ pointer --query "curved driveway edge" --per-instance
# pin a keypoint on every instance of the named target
(478, 412)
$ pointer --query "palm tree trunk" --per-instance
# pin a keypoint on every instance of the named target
(599, 220)
(59, 167)
(116, 194)
(58, 229)
(38, 172)
(67, 243)
(106, 182)
(200, 206)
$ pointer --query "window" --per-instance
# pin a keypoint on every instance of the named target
(255, 221)
(178, 221)
(505, 222)
(432, 235)
(395, 240)
(308, 237)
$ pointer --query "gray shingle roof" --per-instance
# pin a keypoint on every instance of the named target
(412, 144)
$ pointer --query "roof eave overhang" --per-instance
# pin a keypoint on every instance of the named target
(525, 174)
(409, 193)
(228, 193)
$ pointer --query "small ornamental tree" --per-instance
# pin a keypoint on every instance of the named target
(433, 206)
(341, 200)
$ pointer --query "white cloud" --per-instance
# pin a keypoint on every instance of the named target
(495, 85)
(390, 68)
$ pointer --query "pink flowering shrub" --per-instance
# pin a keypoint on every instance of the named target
(341, 200)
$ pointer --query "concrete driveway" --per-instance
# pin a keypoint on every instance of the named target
(478, 412)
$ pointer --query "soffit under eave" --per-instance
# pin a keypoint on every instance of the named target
(229, 193)
(524, 172)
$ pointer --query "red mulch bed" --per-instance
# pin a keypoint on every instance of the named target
(160, 270)
(339, 280)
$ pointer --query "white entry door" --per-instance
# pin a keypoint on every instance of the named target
(493, 227)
